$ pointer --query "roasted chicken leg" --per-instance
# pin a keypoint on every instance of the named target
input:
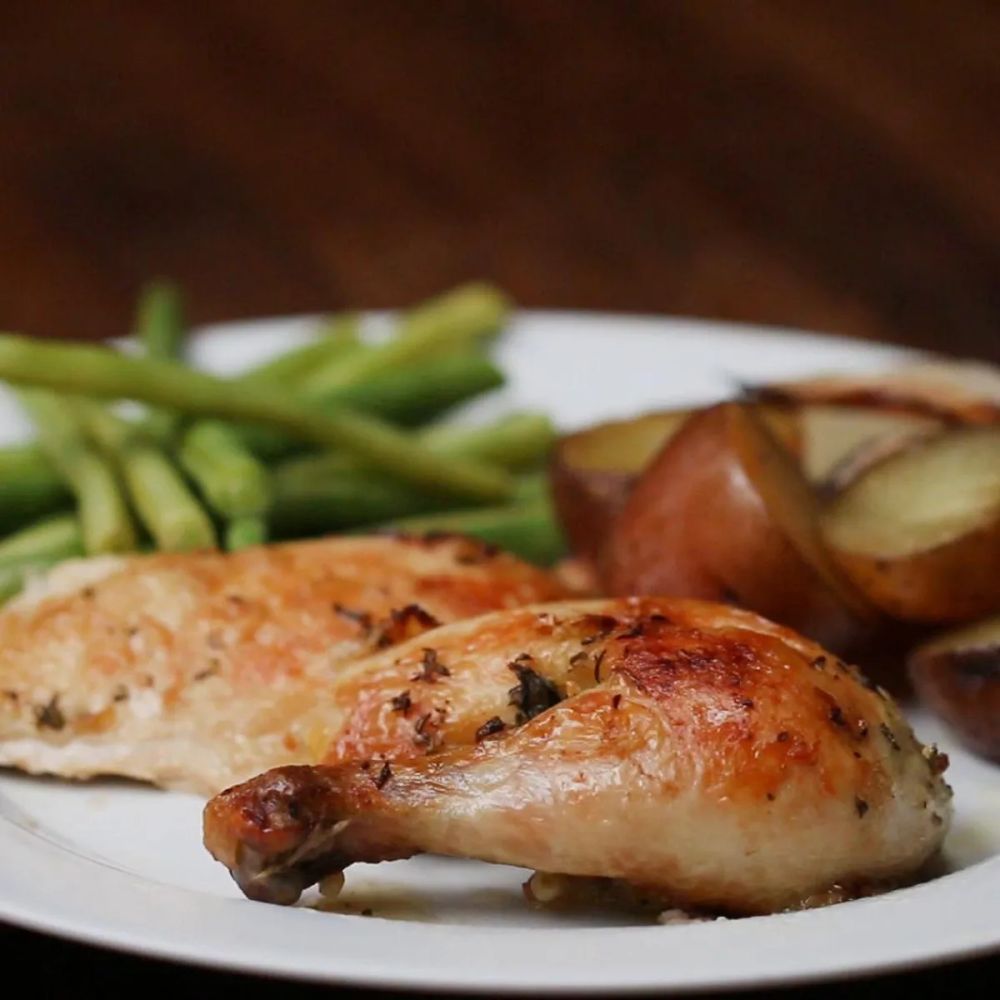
(197, 670)
(697, 752)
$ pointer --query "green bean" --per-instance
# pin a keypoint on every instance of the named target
(312, 497)
(456, 318)
(422, 390)
(329, 491)
(231, 479)
(29, 486)
(163, 501)
(242, 532)
(517, 441)
(53, 538)
(408, 396)
(324, 492)
(161, 329)
(95, 371)
(104, 518)
(236, 485)
(338, 338)
(346, 499)
(160, 323)
(528, 529)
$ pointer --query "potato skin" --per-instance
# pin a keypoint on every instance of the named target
(955, 582)
(962, 685)
(592, 472)
(587, 501)
(709, 518)
(963, 392)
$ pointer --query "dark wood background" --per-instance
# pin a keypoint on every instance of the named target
(831, 164)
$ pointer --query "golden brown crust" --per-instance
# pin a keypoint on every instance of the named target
(192, 670)
(694, 750)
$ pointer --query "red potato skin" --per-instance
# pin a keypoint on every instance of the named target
(587, 503)
(697, 525)
(588, 499)
(953, 583)
(963, 687)
(587, 494)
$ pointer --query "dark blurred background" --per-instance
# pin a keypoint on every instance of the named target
(832, 165)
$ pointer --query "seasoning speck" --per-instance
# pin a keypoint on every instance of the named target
(402, 702)
(209, 671)
(490, 728)
(50, 715)
(889, 735)
(533, 694)
(598, 660)
(431, 668)
(361, 618)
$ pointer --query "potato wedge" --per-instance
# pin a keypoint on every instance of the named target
(957, 675)
(839, 441)
(956, 391)
(593, 471)
(919, 532)
(723, 513)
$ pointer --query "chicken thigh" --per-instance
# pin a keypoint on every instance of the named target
(196, 670)
(694, 751)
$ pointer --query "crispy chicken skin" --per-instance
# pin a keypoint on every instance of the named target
(695, 751)
(197, 670)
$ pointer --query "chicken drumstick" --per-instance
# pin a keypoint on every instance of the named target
(695, 751)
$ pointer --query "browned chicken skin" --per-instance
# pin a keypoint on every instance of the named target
(196, 670)
(693, 750)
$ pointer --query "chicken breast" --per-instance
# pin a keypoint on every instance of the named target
(693, 751)
(197, 670)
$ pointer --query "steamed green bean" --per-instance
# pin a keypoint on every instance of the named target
(105, 521)
(97, 371)
(165, 505)
(50, 539)
(454, 319)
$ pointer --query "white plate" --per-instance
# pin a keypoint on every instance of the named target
(122, 866)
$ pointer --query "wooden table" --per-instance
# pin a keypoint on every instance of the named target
(831, 165)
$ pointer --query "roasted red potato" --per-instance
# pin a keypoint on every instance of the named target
(958, 676)
(724, 513)
(593, 471)
(965, 392)
(919, 532)
(839, 441)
